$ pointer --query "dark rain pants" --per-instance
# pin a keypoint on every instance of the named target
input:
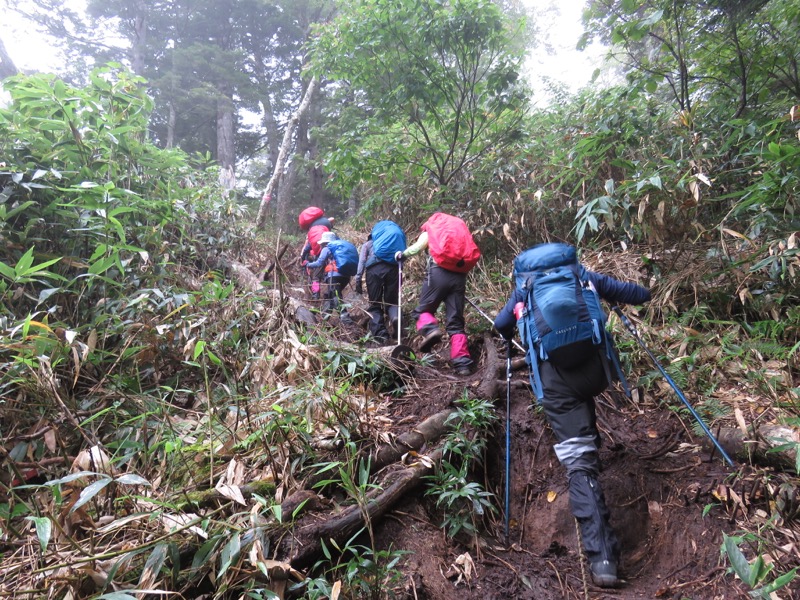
(569, 406)
(382, 290)
(440, 286)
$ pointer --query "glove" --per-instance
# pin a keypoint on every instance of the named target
(398, 256)
(303, 263)
(359, 289)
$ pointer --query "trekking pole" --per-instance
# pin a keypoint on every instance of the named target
(488, 318)
(508, 440)
(630, 327)
(399, 300)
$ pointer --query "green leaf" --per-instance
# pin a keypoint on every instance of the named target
(44, 529)
(90, 492)
(229, 554)
(738, 561)
(132, 479)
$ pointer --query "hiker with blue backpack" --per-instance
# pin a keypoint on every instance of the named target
(556, 308)
(451, 254)
(339, 260)
(377, 261)
(313, 221)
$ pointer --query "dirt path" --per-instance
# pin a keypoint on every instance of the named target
(657, 479)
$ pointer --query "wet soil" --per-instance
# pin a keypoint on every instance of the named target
(657, 482)
(658, 478)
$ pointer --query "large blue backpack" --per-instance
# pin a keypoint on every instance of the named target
(346, 257)
(387, 239)
(562, 321)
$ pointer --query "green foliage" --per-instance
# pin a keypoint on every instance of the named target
(367, 574)
(432, 89)
(755, 574)
(464, 503)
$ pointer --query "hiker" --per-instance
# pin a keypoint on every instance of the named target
(570, 365)
(315, 223)
(451, 254)
(376, 260)
(339, 260)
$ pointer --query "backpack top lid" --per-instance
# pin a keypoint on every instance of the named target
(308, 216)
(543, 257)
(387, 239)
(450, 243)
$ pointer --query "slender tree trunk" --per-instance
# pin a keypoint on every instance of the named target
(273, 135)
(7, 66)
(226, 154)
(172, 120)
(139, 40)
(286, 192)
(284, 151)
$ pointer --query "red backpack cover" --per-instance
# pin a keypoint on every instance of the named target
(308, 216)
(450, 243)
(313, 238)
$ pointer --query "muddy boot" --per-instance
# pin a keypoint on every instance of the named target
(604, 573)
(430, 337)
(599, 542)
(462, 366)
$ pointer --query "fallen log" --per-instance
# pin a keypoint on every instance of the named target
(490, 388)
(211, 496)
(304, 547)
(430, 430)
(772, 445)
(245, 278)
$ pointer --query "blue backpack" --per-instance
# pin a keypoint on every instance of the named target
(346, 257)
(387, 239)
(562, 321)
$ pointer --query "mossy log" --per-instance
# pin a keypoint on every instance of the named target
(304, 546)
(210, 497)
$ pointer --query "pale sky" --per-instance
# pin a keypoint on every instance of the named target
(31, 51)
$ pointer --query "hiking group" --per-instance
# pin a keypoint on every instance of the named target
(555, 307)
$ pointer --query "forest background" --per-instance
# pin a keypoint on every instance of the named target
(145, 166)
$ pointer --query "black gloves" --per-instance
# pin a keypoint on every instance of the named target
(359, 289)
(398, 256)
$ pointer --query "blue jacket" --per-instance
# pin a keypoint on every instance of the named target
(609, 289)
(322, 259)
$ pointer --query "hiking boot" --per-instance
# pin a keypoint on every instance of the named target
(430, 340)
(463, 371)
(604, 574)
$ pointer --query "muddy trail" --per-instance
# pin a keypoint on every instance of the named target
(671, 496)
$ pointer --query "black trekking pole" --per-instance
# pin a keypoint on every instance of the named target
(488, 318)
(508, 440)
(674, 386)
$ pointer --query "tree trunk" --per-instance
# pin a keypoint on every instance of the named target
(7, 66)
(139, 41)
(283, 215)
(284, 151)
(273, 135)
(226, 154)
(773, 445)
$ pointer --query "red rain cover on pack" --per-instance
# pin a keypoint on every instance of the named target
(313, 238)
(450, 243)
(308, 216)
